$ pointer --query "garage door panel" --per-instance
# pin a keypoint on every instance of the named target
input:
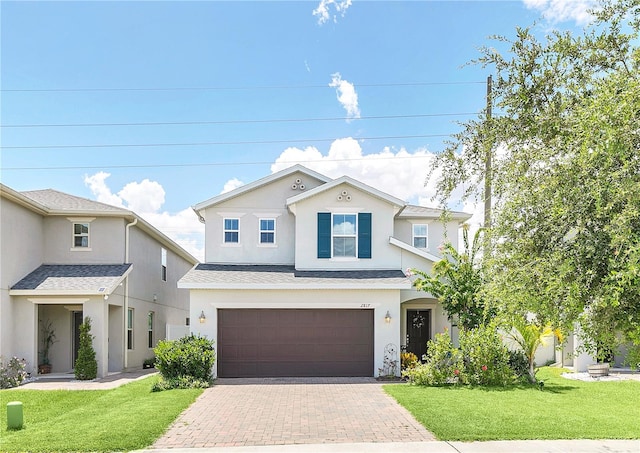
(295, 342)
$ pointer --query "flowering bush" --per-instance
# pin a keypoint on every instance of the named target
(486, 358)
(408, 360)
(13, 373)
(442, 366)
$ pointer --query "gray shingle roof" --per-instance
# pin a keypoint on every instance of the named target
(61, 201)
(250, 276)
(87, 278)
(425, 212)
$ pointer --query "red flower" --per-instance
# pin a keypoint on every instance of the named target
(456, 372)
(484, 367)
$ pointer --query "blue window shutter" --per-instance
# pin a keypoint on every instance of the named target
(324, 235)
(364, 235)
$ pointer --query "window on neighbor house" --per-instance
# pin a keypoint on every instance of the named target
(267, 231)
(420, 236)
(150, 328)
(343, 234)
(81, 234)
(163, 260)
(231, 231)
(130, 328)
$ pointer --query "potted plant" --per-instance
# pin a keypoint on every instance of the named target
(149, 363)
(48, 338)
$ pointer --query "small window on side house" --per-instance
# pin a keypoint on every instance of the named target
(267, 231)
(420, 236)
(130, 323)
(150, 322)
(81, 235)
(163, 260)
(231, 231)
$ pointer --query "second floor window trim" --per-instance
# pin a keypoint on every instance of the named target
(231, 230)
(267, 233)
(163, 261)
(420, 238)
(344, 235)
(81, 234)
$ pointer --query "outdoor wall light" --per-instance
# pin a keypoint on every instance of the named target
(387, 317)
(202, 317)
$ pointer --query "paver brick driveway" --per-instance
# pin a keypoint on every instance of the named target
(242, 412)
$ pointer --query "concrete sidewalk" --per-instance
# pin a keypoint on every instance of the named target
(67, 381)
(517, 446)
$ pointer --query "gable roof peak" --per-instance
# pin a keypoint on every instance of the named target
(259, 183)
(352, 182)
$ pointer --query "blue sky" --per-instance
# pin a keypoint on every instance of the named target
(216, 94)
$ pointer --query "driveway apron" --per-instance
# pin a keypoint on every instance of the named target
(247, 412)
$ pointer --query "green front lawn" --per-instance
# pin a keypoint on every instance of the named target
(126, 418)
(565, 409)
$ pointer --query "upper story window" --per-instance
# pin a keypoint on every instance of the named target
(267, 231)
(163, 264)
(343, 234)
(420, 235)
(80, 233)
(231, 231)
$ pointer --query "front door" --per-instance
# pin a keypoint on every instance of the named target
(418, 331)
(77, 321)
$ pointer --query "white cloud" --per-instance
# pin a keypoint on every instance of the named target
(231, 185)
(96, 183)
(400, 173)
(146, 199)
(563, 10)
(323, 10)
(346, 94)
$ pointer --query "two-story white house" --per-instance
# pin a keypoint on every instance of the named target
(64, 258)
(305, 276)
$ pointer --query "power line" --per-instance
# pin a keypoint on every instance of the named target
(206, 164)
(229, 88)
(249, 142)
(253, 121)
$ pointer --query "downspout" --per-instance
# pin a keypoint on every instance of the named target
(126, 293)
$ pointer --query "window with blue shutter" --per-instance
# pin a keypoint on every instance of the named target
(324, 235)
(364, 235)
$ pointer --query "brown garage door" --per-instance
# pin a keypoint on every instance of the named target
(274, 342)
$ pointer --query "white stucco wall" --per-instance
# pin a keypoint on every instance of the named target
(380, 301)
(171, 305)
(266, 202)
(383, 255)
(21, 239)
(106, 241)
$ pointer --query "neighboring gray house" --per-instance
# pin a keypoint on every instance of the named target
(64, 258)
(305, 276)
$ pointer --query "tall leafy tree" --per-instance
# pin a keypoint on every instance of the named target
(456, 281)
(566, 151)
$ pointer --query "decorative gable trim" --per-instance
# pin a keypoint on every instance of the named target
(259, 183)
(351, 182)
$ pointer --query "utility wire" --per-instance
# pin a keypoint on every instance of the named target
(206, 164)
(275, 120)
(249, 142)
(230, 88)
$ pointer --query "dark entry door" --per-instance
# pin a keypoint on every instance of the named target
(77, 321)
(295, 342)
(418, 331)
